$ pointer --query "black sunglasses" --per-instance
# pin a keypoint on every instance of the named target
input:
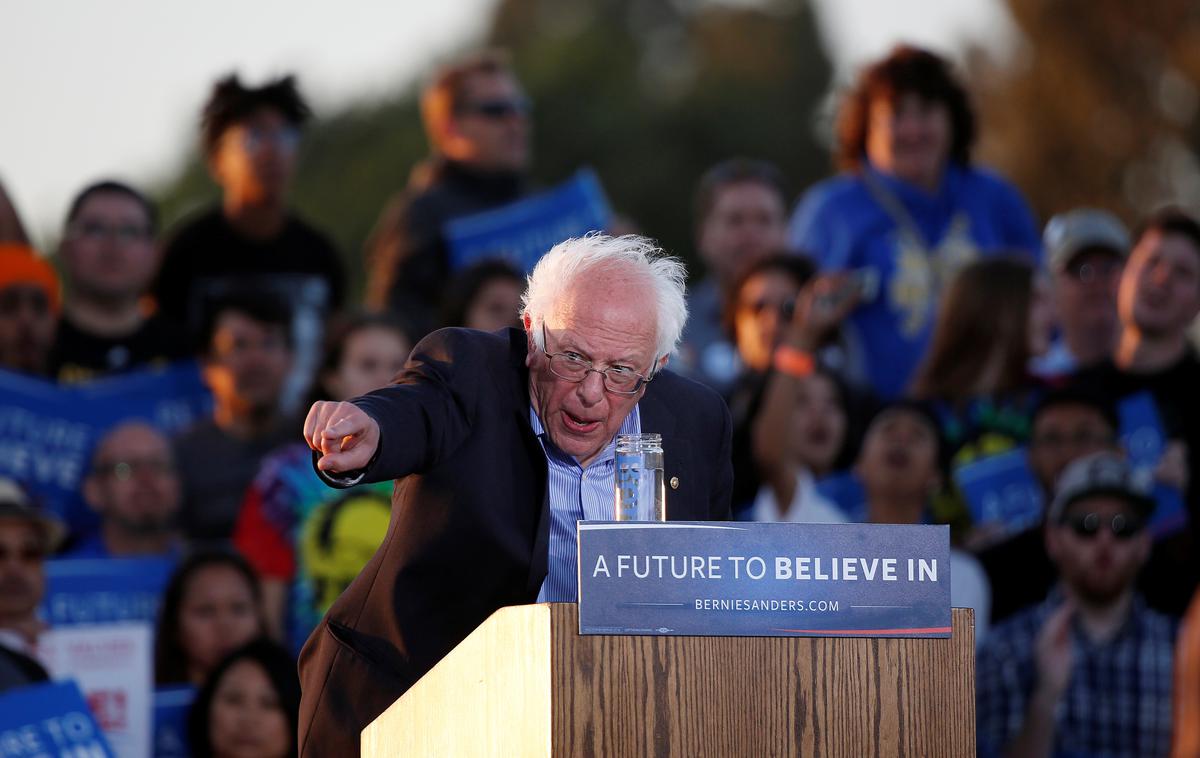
(496, 108)
(1088, 525)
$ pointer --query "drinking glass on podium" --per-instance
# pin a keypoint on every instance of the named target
(640, 491)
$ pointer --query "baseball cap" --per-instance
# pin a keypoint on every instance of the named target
(16, 504)
(1069, 233)
(1103, 473)
(19, 264)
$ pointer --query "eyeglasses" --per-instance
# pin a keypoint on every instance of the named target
(785, 309)
(96, 230)
(495, 109)
(619, 380)
(255, 139)
(1088, 525)
(17, 297)
(125, 470)
(1080, 439)
(27, 554)
(1090, 272)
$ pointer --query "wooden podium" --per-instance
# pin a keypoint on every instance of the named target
(526, 683)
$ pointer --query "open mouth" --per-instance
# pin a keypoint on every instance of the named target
(579, 425)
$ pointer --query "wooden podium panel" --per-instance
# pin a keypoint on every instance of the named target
(527, 684)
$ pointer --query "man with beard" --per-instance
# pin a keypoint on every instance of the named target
(27, 536)
(134, 487)
(248, 356)
(1089, 671)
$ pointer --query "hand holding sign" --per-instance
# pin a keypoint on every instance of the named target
(343, 433)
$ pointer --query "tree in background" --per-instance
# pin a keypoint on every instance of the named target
(649, 93)
(1097, 105)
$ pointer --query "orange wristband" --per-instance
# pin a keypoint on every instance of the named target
(793, 362)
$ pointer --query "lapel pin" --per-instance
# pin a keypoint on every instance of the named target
(674, 482)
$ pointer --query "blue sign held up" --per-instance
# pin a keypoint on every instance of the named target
(171, 706)
(104, 590)
(759, 579)
(1144, 438)
(1001, 489)
(523, 231)
(49, 720)
(47, 432)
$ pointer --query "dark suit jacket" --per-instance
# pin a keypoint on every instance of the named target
(470, 519)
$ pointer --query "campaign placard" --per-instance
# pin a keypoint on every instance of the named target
(752, 579)
(522, 232)
(104, 590)
(1001, 490)
(171, 706)
(47, 431)
(113, 665)
(49, 720)
(1144, 438)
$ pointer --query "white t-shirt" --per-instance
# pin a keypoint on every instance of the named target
(808, 506)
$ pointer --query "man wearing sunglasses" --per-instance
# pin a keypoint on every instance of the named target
(27, 536)
(476, 119)
(1089, 671)
(500, 442)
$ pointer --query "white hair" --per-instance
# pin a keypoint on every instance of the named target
(568, 261)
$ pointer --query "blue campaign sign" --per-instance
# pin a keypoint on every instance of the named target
(1001, 489)
(1142, 432)
(523, 231)
(49, 720)
(47, 432)
(171, 705)
(104, 590)
(764, 580)
(1145, 440)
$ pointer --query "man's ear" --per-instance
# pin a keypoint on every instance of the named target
(662, 363)
(530, 346)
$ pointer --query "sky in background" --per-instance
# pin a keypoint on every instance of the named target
(113, 88)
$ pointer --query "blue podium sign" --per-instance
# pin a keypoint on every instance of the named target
(764, 580)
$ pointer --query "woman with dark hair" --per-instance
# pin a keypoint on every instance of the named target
(995, 317)
(249, 707)
(210, 607)
(485, 296)
(908, 210)
(306, 540)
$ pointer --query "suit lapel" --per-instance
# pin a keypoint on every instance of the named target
(533, 450)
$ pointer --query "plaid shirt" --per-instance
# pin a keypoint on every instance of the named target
(1117, 704)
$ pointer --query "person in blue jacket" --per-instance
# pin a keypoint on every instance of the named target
(908, 210)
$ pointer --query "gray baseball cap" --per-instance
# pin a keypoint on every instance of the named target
(1103, 473)
(16, 504)
(1069, 233)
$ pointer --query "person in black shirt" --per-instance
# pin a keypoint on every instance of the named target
(476, 119)
(1157, 300)
(253, 242)
(109, 257)
(246, 363)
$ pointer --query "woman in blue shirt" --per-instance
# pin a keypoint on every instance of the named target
(908, 209)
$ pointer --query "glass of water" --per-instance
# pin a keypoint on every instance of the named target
(640, 492)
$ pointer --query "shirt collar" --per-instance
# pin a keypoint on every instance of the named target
(631, 425)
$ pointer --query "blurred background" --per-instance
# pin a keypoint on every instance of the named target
(1082, 101)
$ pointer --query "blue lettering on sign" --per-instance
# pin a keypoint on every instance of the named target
(871, 580)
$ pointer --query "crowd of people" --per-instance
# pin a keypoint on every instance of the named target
(903, 345)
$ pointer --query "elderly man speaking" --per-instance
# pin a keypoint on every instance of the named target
(499, 443)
